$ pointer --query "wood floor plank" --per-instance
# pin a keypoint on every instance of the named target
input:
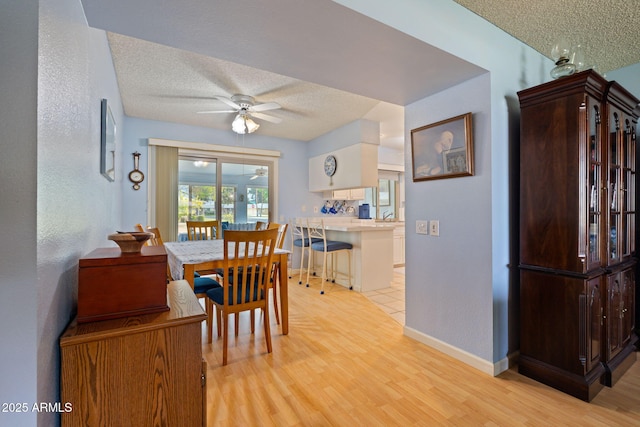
(345, 362)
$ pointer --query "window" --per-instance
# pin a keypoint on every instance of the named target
(385, 198)
(258, 204)
(242, 189)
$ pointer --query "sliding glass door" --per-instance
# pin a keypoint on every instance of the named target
(197, 191)
(245, 196)
(232, 191)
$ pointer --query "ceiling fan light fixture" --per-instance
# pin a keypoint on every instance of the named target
(243, 124)
(238, 125)
(251, 125)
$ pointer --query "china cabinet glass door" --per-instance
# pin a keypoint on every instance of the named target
(616, 232)
(628, 177)
(595, 185)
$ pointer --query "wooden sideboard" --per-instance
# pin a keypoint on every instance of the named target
(137, 371)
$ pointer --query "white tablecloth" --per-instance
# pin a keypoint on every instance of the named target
(195, 252)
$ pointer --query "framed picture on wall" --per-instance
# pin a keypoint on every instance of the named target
(107, 142)
(443, 149)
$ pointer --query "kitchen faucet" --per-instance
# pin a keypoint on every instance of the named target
(386, 215)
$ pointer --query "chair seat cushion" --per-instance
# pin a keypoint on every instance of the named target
(305, 242)
(332, 245)
(203, 284)
(217, 295)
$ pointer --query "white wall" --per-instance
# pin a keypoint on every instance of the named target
(62, 208)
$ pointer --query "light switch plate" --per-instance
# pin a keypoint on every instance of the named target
(434, 227)
(421, 227)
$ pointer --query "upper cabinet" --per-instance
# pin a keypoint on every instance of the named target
(354, 166)
(352, 194)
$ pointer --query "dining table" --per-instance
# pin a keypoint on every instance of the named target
(185, 258)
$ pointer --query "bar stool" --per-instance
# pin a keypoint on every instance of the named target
(299, 239)
(319, 243)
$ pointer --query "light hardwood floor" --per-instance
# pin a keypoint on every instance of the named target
(346, 363)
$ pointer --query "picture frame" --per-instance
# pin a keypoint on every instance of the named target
(443, 149)
(107, 142)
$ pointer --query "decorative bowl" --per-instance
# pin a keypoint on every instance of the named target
(130, 241)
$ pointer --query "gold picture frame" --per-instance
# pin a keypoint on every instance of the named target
(443, 149)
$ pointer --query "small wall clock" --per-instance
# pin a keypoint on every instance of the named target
(330, 167)
(136, 176)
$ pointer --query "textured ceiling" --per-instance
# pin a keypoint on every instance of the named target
(325, 64)
(172, 85)
(608, 30)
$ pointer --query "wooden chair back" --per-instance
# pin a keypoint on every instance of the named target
(157, 241)
(203, 230)
(154, 241)
(248, 259)
(282, 232)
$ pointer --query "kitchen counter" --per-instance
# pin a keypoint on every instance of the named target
(350, 226)
(372, 254)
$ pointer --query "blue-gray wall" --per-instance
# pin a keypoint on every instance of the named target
(18, 185)
(56, 206)
(55, 71)
(293, 164)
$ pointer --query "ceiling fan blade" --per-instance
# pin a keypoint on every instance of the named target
(265, 107)
(216, 111)
(266, 117)
(227, 101)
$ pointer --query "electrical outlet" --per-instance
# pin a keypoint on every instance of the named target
(315, 209)
(421, 227)
(434, 227)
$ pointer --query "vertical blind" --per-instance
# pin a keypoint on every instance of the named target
(166, 193)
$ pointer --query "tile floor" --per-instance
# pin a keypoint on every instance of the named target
(391, 300)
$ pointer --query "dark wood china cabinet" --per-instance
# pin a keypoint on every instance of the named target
(577, 233)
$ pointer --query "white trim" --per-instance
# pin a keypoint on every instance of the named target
(390, 167)
(151, 186)
(472, 360)
(201, 146)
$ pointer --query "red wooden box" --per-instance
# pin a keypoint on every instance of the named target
(113, 284)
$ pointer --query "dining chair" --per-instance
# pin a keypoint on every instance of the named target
(282, 234)
(203, 230)
(248, 257)
(201, 284)
(329, 249)
(156, 240)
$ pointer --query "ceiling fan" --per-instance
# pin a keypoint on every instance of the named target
(246, 109)
(260, 172)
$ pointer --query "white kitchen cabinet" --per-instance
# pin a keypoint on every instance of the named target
(398, 246)
(352, 194)
(356, 167)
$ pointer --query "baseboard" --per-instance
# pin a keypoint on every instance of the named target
(465, 357)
